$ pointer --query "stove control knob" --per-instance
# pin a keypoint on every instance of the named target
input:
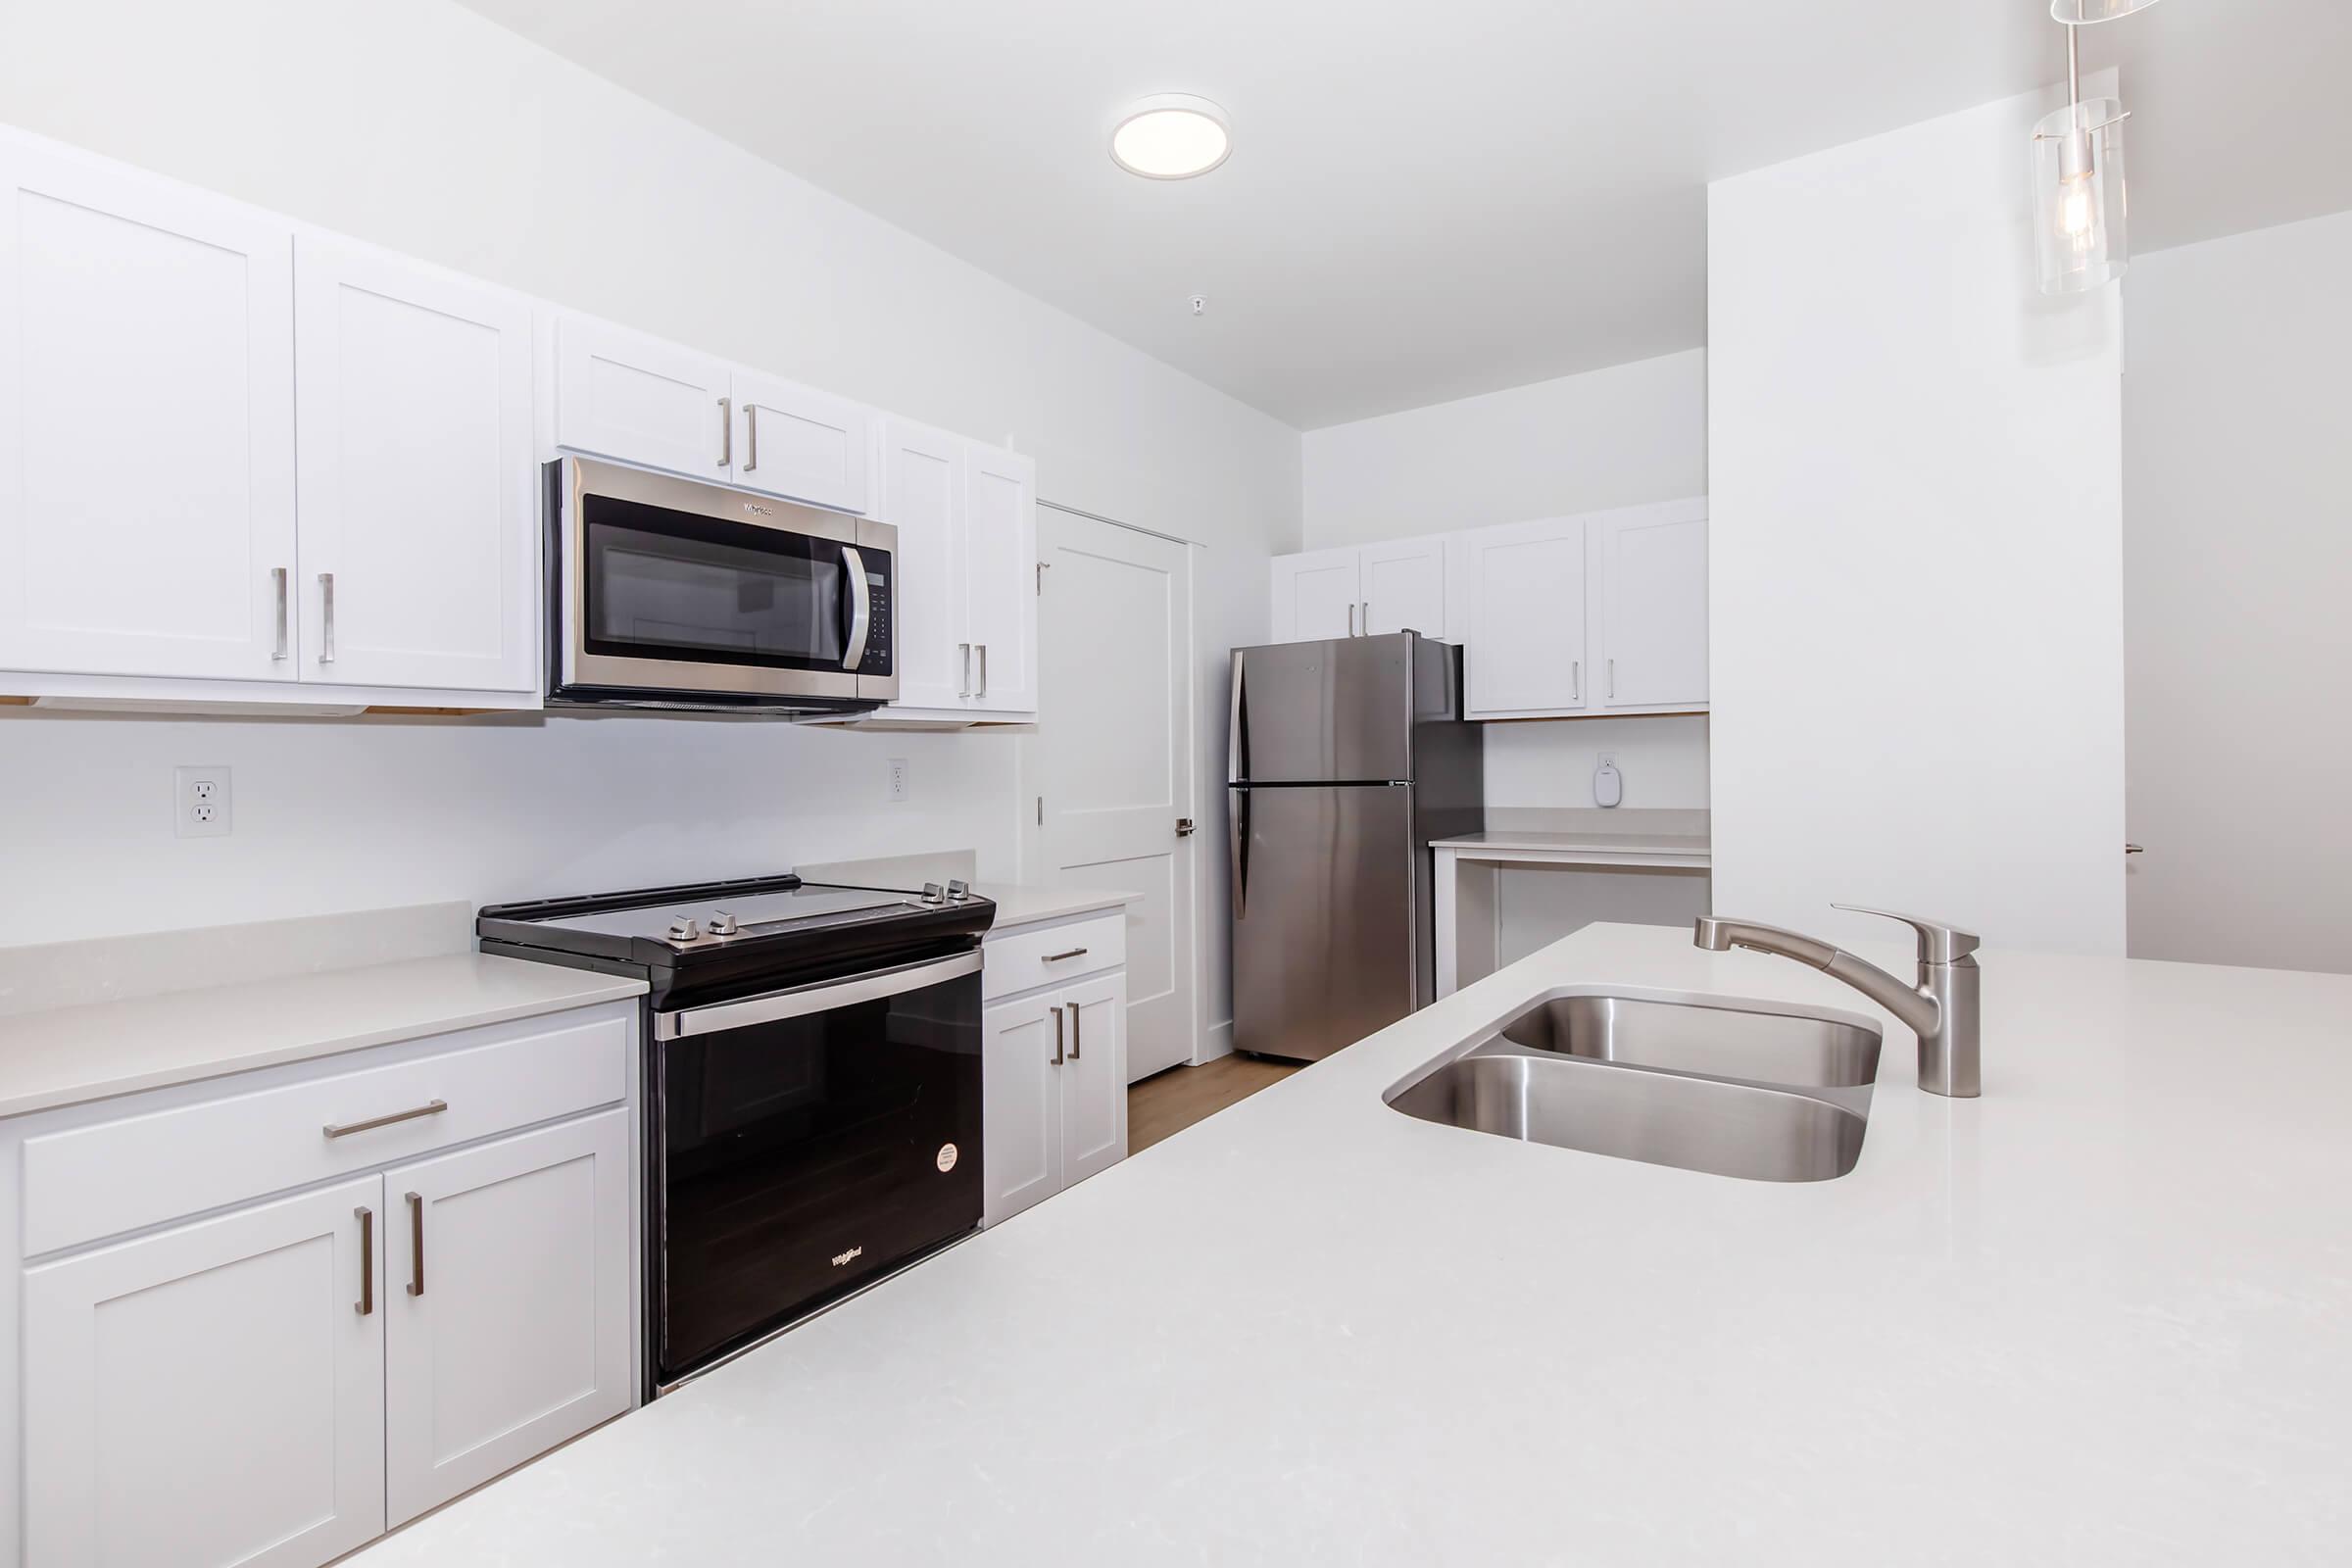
(957, 892)
(933, 893)
(724, 924)
(683, 930)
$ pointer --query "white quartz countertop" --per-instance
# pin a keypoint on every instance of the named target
(1604, 834)
(2103, 1315)
(1027, 902)
(67, 1055)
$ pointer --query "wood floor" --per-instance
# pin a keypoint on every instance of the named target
(1167, 1102)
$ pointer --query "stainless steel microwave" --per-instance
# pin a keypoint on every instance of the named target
(666, 592)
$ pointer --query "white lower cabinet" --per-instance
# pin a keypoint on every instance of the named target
(1054, 1075)
(507, 1329)
(211, 1395)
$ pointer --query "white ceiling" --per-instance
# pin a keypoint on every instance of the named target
(1430, 201)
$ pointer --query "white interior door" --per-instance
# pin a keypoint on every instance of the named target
(1114, 757)
(1316, 596)
(508, 1311)
(208, 1395)
(1404, 587)
(1024, 1048)
(418, 490)
(146, 426)
(1094, 1080)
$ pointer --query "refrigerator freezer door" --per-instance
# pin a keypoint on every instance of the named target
(1324, 938)
(1324, 712)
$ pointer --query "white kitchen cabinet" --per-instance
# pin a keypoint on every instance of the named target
(420, 509)
(922, 496)
(1000, 579)
(506, 1320)
(1649, 619)
(1317, 596)
(623, 395)
(147, 513)
(211, 1395)
(796, 442)
(1053, 1064)
(1523, 650)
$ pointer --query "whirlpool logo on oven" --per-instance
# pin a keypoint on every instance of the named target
(850, 1256)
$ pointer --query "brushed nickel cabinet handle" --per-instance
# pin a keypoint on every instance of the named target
(1367, 618)
(983, 691)
(1077, 1018)
(1056, 957)
(1351, 617)
(965, 689)
(1056, 1036)
(431, 1107)
(1612, 680)
(277, 577)
(726, 431)
(326, 600)
(1575, 681)
(367, 1301)
(415, 1243)
(750, 432)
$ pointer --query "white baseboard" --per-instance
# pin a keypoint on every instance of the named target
(1215, 1041)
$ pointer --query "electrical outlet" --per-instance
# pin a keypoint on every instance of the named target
(200, 801)
(897, 779)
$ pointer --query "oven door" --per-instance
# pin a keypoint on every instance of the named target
(806, 1141)
(672, 588)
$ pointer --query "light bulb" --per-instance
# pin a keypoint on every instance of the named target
(2078, 203)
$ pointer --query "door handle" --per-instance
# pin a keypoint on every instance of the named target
(278, 576)
(750, 432)
(1184, 828)
(1077, 1020)
(1237, 739)
(326, 600)
(415, 1243)
(726, 432)
(852, 566)
(367, 1301)
(1058, 1058)
(2135, 849)
(1237, 832)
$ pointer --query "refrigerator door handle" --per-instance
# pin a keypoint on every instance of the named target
(1237, 831)
(1237, 740)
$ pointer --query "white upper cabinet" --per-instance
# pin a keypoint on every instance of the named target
(1317, 596)
(922, 497)
(1000, 579)
(1404, 587)
(1523, 650)
(1649, 577)
(620, 394)
(146, 426)
(800, 443)
(418, 485)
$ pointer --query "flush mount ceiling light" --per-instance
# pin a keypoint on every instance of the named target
(1171, 135)
(2078, 205)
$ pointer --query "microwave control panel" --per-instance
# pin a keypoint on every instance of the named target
(878, 638)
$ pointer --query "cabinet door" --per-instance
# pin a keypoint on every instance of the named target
(922, 497)
(622, 395)
(1649, 591)
(1403, 586)
(795, 441)
(419, 517)
(1523, 653)
(1094, 1080)
(211, 1395)
(1024, 1052)
(507, 1306)
(1316, 596)
(146, 426)
(1000, 579)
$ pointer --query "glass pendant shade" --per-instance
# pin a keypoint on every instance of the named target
(2082, 13)
(2079, 208)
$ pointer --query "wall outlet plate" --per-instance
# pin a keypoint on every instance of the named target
(201, 802)
(896, 789)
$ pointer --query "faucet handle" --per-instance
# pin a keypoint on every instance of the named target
(1937, 942)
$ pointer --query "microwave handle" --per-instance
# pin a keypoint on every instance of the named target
(861, 605)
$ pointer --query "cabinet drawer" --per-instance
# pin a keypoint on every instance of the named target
(83, 1183)
(1023, 960)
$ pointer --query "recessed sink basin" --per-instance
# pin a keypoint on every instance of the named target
(1661, 1118)
(1719, 1039)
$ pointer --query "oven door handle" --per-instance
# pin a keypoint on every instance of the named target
(852, 564)
(798, 1001)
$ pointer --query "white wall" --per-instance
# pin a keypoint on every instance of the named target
(417, 124)
(1620, 438)
(1916, 573)
(2238, 598)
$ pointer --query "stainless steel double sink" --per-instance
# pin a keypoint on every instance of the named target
(1746, 1089)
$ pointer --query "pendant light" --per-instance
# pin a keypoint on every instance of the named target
(2080, 209)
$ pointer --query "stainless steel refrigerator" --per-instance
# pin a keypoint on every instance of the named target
(1347, 759)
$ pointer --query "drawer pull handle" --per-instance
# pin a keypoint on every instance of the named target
(367, 1301)
(431, 1107)
(415, 1243)
(1056, 957)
